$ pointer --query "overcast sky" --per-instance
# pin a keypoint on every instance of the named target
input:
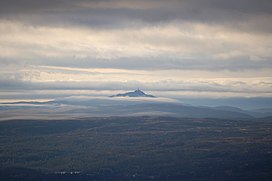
(210, 48)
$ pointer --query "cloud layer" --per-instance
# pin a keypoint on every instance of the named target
(187, 46)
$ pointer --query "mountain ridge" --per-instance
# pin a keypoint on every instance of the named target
(96, 107)
(136, 93)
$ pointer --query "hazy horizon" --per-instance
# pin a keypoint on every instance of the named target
(176, 49)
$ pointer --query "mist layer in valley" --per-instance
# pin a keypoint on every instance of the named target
(135, 103)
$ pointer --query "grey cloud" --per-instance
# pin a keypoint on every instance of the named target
(142, 63)
(195, 6)
(161, 86)
(161, 63)
(247, 15)
(253, 16)
(13, 84)
(32, 6)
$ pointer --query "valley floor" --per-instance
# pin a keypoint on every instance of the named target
(136, 148)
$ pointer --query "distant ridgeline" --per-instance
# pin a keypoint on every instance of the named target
(136, 93)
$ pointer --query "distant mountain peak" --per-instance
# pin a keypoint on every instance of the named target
(136, 93)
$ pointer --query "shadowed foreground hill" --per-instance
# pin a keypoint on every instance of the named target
(136, 148)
